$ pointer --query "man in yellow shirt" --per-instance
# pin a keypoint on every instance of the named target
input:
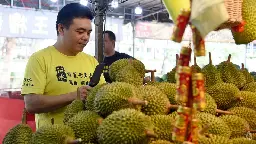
(53, 74)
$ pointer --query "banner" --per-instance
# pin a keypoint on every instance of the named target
(163, 31)
(27, 23)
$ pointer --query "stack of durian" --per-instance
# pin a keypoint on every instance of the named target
(130, 112)
(234, 91)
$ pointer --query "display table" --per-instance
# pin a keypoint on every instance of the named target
(11, 114)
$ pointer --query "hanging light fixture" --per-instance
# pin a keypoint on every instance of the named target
(84, 2)
(114, 4)
(138, 10)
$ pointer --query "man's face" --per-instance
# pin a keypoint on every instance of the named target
(77, 35)
(109, 45)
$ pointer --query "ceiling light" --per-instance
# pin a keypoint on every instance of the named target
(54, 1)
(138, 10)
(84, 2)
(114, 4)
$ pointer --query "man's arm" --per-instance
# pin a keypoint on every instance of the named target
(33, 89)
(36, 103)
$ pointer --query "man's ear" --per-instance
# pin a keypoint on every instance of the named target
(114, 43)
(61, 29)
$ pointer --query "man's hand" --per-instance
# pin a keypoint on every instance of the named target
(83, 91)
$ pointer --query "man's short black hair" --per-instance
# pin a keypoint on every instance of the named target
(70, 12)
(111, 35)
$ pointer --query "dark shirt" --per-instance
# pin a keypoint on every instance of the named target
(109, 60)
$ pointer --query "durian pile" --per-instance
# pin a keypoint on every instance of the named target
(130, 112)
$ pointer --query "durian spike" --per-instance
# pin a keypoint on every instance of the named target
(74, 141)
(52, 121)
(210, 58)
(24, 116)
(224, 112)
(150, 134)
(78, 96)
(136, 101)
(229, 58)
(242, 66)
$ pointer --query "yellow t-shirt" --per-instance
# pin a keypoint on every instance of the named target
(50, 73)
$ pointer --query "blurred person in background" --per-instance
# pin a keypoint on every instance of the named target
(110, 54)
(54, 75)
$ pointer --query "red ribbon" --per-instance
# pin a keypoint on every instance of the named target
(240, 27)
(182, 23)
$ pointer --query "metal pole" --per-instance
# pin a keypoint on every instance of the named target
(11, 3)
(99, 20)
(133, 33)
(133, 38)
(39, 4)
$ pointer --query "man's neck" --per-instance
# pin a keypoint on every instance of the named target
(63, 49)
(109, 54)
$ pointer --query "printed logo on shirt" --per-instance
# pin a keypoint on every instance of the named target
(106, 69)
(72, 77)
(27, 82)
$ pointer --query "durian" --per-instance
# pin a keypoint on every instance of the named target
(248, 77)
(116, 66)
(169, 89)
(211, 74)
(237, 125)
(116, 96)
(91, 96)
(214, 139)
(76, 106)
(139, 66)
(126, 126)
(19, 134)
(246, 113)
(249, 15)
(248, 99)
(163, 126)
(243, 141)
(84, 125)
(158, 102)
(225, 95)
(211, 106)
(54, 134)
(230, 74)
(129, 75)
(216, 125)
(251, 87)
(171, 76)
